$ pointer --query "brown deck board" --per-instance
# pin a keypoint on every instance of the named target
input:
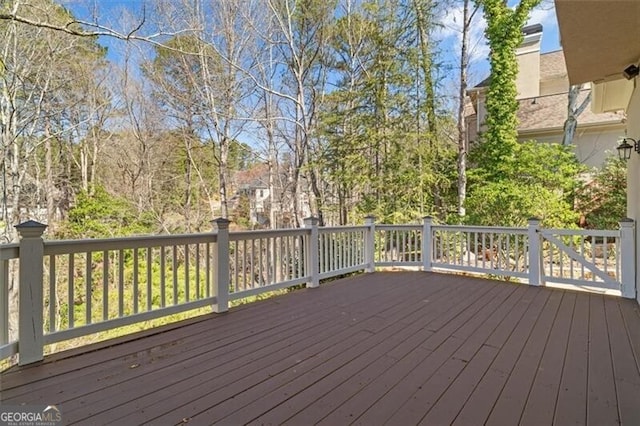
(223, 373)
(508, 409)
(314, 403)
(631, 315)
(343, 365)
(626, 376)
(602, 406)
(541, 402)
(571, 405)
(395, 348)
(366, 397)
(509, 337)
(191, 347)
(175, 405)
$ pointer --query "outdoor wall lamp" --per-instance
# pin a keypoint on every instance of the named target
(626, 146)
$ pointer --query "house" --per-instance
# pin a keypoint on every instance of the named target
(600, 41)
(262, 208)
(252, 185)
(543, 86)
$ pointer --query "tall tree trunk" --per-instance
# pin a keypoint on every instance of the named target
(573, 112)
(223, 169)
(49, 184)
(467, 16)
(422, 21)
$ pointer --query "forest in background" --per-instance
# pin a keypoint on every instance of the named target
(334, 109)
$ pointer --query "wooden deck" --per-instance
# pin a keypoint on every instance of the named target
(399, 348)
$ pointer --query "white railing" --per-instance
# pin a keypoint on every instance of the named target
(341, 250)
(69, 289)
(262, 261)
(496, 251)
(398, 245)
(582, 257)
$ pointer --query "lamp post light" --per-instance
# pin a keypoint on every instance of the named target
(626, 146)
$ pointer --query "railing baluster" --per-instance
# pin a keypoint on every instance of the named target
(268, 260)
(197, 272)
(174, 259)
(135, 280)
(245, 264)
(253, 264)
(342, 253)
(207, 263)
(88, 287)
(71, 297)
(301, 271)
(187, 253)
(236, 262)
(285, 257)
(120, 283)
(149, 280)
(163, 278)
(593, 261)
(508, 255)
(260, 255)
(483, 250)
(105, 285)
(332, 253)
(475, 248)
(605, 254)
(53, 296)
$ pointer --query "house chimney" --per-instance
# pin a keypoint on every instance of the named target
(528, 56)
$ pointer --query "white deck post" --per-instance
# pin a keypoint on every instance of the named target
(30, 331)
(535, 252)
(221, 265)
(627, 258)
(312, 258)
(370, 243)
(427, 221)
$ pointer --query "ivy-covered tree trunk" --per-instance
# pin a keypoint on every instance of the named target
(504, 34)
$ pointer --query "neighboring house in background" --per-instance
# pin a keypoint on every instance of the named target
(543, 87)
(265, 211)
(254, 185)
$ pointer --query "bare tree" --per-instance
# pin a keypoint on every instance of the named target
(467, 17)
(37, 102)
(573, 112)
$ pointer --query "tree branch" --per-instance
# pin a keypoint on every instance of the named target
(100, 30)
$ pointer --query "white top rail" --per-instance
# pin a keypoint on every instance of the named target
(488, 229)
(79, 246)
(266, 233)
(397, 227)
(582, 232)
(329, 229)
